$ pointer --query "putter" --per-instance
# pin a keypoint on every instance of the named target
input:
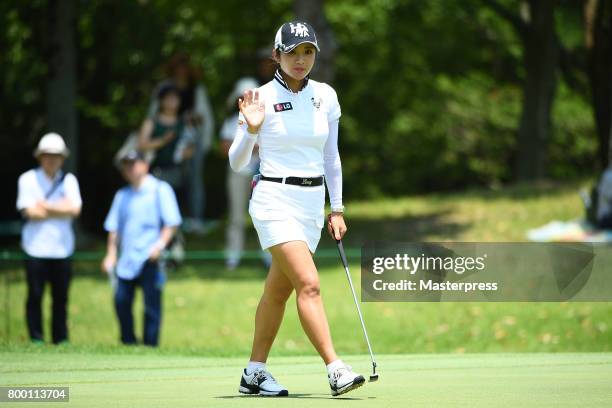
(374, 376)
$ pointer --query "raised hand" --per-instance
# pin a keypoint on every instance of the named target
(253, 110)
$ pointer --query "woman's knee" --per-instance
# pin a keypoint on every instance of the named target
(296, 261)
(309, 287)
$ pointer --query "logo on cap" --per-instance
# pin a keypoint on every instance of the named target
(294, 33)
(299, 30)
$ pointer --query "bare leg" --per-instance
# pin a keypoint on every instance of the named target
(295, 260)
(270, 312)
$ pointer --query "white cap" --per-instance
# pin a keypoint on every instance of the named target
(51, 143)
(241, 86)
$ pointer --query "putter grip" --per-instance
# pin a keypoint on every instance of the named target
(341, 251)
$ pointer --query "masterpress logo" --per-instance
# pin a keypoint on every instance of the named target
(497, 272)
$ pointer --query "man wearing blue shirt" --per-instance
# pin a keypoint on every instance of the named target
(143, 218)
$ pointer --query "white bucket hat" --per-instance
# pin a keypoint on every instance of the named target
(51, 143)
(241, 86)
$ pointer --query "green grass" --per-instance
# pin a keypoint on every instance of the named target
(215, 317)
(208, 310)
(429, 354)
(474, 215)
(149, 380)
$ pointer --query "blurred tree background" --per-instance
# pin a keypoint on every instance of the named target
(436, 95)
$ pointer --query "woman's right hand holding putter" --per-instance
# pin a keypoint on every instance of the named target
(252, 108)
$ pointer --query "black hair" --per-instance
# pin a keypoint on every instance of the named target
(167, 88)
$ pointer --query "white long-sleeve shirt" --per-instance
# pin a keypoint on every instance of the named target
(298, 137)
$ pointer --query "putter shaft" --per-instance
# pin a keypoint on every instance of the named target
(365, 332)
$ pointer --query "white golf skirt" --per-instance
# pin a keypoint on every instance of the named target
(284, 212)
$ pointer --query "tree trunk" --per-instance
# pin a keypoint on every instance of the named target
(312, 12)
(540, 59)
(610, 123)
(598, 14)
(61, 83)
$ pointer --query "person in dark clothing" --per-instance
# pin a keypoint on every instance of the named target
(166, 135)
(195, 108)
(604, 204)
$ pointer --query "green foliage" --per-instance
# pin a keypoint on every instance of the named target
(431, 98)
(430, 91)
(574, 146)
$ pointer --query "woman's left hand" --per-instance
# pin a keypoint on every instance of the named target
(336, 226)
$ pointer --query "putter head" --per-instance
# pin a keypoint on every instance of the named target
(374, 376)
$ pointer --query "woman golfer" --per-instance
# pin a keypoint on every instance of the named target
(294, 120)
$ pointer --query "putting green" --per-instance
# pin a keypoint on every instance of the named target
(436, 380)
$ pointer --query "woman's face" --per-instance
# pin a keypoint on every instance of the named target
(298, 62)
(170, 102)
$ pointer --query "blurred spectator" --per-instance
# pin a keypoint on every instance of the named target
(49, 199)
(604, 205)
(266, 66)
(238, 183)
(141, 222)
(166, 134)
(196, 108)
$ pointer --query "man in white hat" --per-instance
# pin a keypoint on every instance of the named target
(48, 198)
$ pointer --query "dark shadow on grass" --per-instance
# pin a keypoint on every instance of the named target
(515, 191)
(300, 396)
(405, 229)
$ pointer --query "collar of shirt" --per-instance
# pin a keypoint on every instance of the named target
(45, 176)
(148, 183)
(281, 81)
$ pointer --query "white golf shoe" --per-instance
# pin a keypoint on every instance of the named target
(261, 382)
(343, 380)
